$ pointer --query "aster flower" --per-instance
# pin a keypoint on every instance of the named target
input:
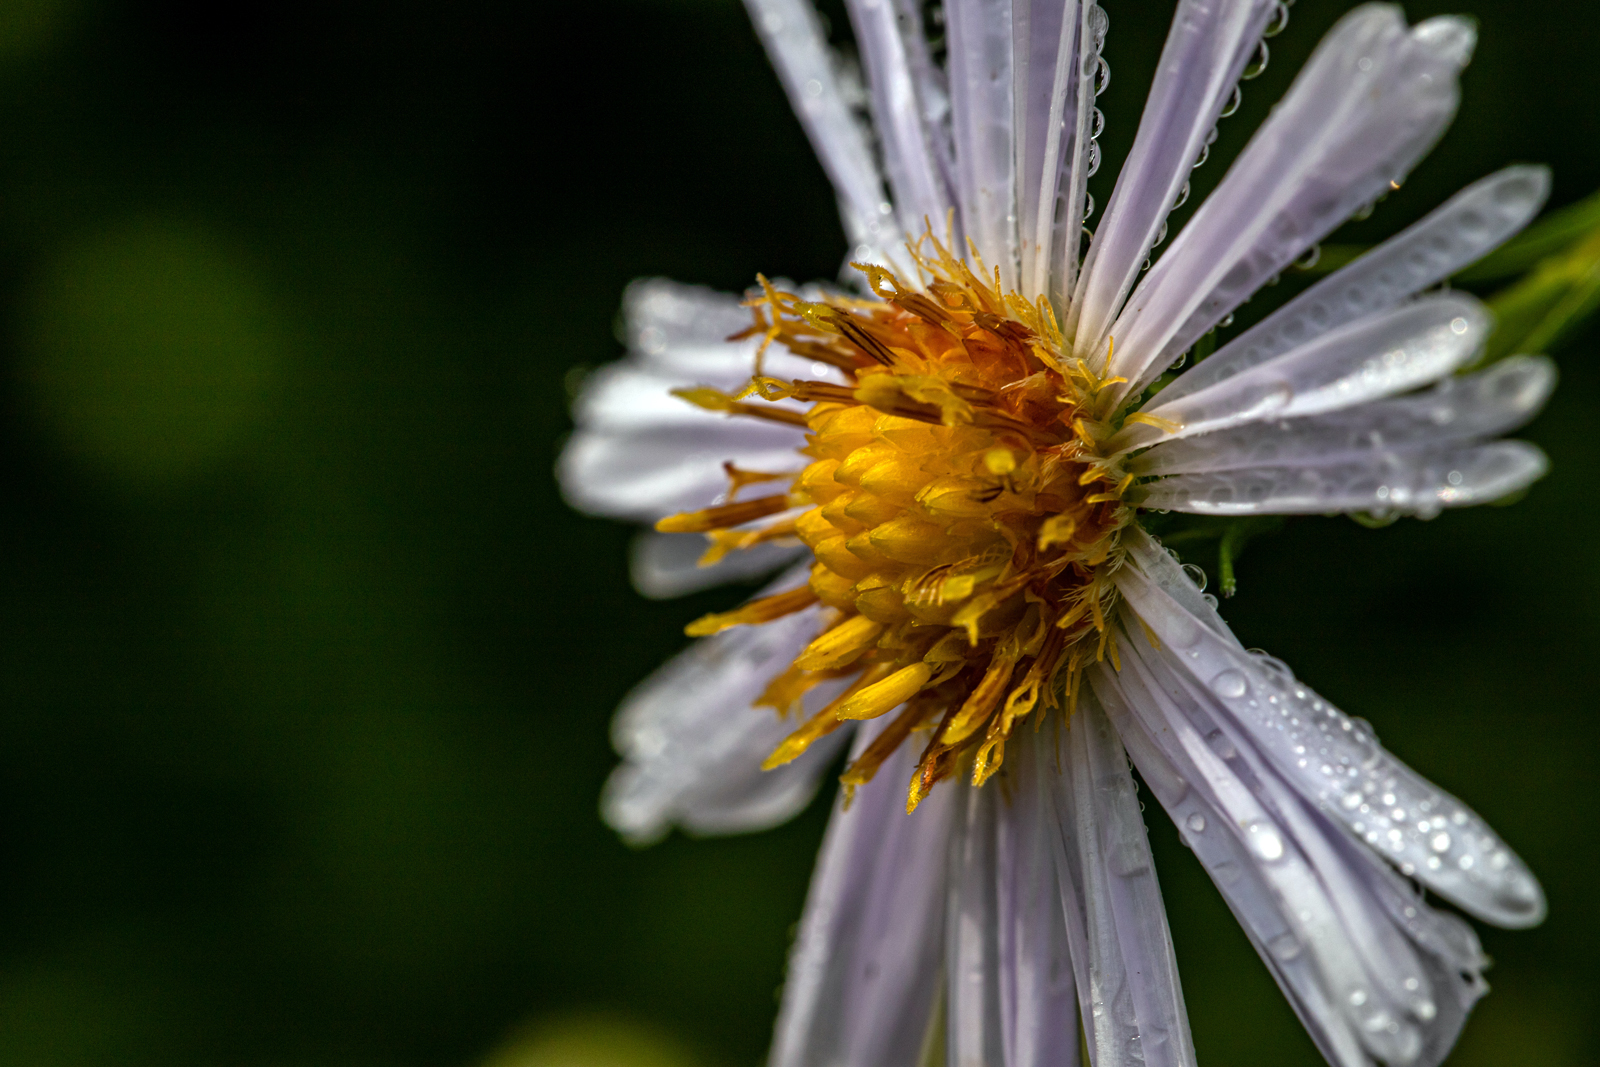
(958, 460)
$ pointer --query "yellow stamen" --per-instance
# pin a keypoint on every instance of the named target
(960, 499)
(764, 609)
(888, 694)
(1164, 425)
(840, 645)
(980, 705)
(819, 725)
(725, 515)
(914, 714)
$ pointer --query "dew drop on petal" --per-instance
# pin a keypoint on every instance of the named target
(1266, 843)
(1229, 683)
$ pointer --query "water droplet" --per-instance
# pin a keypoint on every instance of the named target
(1196, 822)
(1266, 843)
(1220, 744)
(1440, 842)
(1358, 997)
(1229, 683)
(1182, 632)
(1196, 575)
(1285, 946)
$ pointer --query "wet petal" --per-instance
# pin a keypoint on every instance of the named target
(863, 975)
(1038, 998)
(1206, 51)
(1462, 230)
(910, 108)
(668, 565)
(692, 744)
(983, 109)
(973, 938)
(1464, 408)
(799, 51)
(1379, 356)
(1418, 482)
(639, 452)
(1057, 49)
(1373, 98)
(1338, 765)
(1133, 1002)
(1331, 927)
(646, 476)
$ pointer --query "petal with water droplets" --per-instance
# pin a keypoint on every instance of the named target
(1464, 408)
(1419, 481)
(1339, 766)
(863, 974)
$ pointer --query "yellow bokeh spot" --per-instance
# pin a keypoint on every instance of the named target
(597, 1040)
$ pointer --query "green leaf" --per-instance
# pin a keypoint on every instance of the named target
(1535, 314)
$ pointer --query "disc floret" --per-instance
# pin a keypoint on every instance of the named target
(963, 514)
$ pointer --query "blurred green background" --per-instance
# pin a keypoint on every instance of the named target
(306, 670)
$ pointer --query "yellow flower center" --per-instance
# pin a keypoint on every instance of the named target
(963, 517)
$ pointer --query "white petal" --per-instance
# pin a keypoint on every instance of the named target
(638, 451)
(972, 933)
(1332, 934)
(799, 51)
(909, 109)
(692, 744)
(675, 328)
(864, 971)
(1339, 766)
(668, 565)
(1379, 356)
(680, 332)
(626, 398)
(1134, 1004)
(1160, 565)
(1369, 103)
(1422, 967)
(1470, 407)
(1206, 51)
(982, 106)
(1281, 905)
(1057, 50)
(1457, 233)
(1417, 482)
(646, 476)
(1038, 998)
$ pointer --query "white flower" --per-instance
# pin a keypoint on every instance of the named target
(980, 443)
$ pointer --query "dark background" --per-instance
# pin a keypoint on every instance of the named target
(305, 670)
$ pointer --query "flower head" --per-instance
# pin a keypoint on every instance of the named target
(960, 458)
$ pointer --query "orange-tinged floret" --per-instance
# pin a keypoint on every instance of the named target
(962, 515)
